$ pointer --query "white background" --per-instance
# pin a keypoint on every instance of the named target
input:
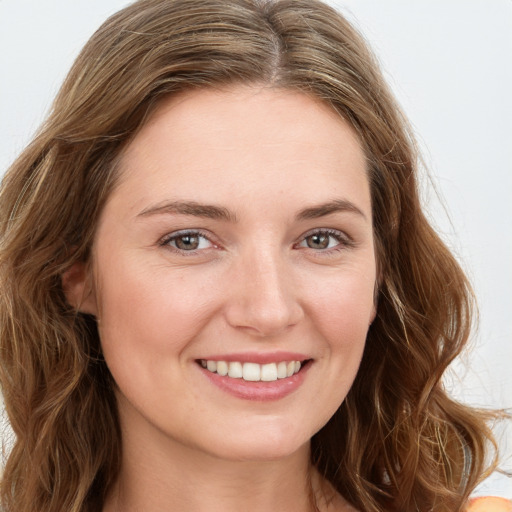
(450, 64)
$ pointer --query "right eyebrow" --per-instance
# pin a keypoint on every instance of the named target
(192, 208)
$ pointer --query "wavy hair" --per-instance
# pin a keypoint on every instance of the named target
(398, 442)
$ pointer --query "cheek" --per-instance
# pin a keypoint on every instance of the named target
(148, 313)
(343, 305)
(342, 314)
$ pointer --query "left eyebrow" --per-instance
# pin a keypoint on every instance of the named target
(335, 206)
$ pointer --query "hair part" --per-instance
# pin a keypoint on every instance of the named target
(398, 442)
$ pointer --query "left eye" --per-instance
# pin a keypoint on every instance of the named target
(321, 240)
(188, 241)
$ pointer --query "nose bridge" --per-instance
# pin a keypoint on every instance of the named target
(265, 299)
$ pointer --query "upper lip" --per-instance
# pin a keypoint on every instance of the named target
(257, 357)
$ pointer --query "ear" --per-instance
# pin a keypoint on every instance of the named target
(77, 284)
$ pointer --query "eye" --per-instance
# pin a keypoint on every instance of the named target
(187, 241)
(325, 239)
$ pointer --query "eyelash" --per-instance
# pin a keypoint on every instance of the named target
(343, 241)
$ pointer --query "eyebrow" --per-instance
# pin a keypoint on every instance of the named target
(335, 206)
(210, 211)
(193, 208)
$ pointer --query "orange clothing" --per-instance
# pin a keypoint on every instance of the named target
(489, 504)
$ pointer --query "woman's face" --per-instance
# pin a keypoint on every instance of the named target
(239, 238)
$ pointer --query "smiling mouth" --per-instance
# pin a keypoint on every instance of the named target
(253, 372)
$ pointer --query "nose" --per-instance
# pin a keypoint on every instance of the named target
(263, 296)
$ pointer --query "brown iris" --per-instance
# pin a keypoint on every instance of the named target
(318, 241)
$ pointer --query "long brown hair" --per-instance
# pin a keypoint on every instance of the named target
(398, 442)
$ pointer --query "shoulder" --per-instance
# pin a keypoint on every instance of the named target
(489, 504)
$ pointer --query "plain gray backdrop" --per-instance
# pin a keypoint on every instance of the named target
(450, 65)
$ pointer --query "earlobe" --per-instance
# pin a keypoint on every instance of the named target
(78, 288)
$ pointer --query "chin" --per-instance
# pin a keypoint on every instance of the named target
(269, 444)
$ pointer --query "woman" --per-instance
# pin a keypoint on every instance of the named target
(218, 286)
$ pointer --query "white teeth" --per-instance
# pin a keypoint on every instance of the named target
(235, 370)
(281, 370)
(269, 372)
(252, 372)
(222, 368)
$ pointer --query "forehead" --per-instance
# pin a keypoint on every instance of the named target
(251, 114)
(243, 139)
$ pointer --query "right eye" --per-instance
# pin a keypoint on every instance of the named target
(187, 241)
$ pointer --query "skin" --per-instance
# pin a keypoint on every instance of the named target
(257, 282)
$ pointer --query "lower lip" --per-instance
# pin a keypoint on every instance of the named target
(258, 391)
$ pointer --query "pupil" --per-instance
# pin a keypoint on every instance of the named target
(318, 241)
(187, 242)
